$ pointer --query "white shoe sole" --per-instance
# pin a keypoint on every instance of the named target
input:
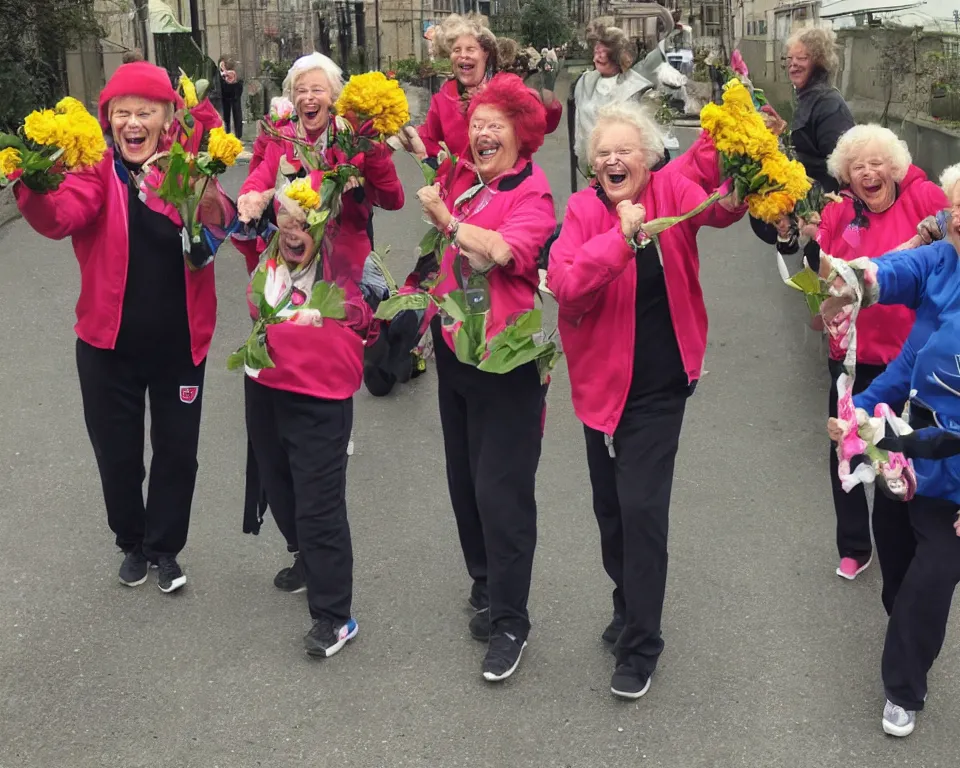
(335, 648)
(631, 695)
(898, 730)
(134, 583)
(860, 570)
(491, 677)
(174, 585)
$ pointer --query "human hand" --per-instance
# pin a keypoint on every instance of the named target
(783, 225)
(809, 226)
(251, 205)
(836, 428)
(410, 140)
(928, 230)
(775, 124)
(352, 183)
(433, 206)
(632, 217)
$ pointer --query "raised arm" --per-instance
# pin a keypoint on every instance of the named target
(69, 209)
(381, 179)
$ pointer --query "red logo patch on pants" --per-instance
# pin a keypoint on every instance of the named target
(189, 394)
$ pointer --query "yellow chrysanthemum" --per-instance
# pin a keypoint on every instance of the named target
(302, 193)
(69, 106)
(224, 146)
(371, 96)
(189, 91)
(771, 206)
(42, 128)
(10, 160)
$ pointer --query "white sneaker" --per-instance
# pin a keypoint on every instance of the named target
(898, 721)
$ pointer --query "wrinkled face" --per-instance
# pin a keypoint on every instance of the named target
(469, 61)
(619, 161)
(871, 177)
(799, 65)
(954, 232)
(137, 125)
(313, 97)
(603, 61)
(493, 142)
(296, 245)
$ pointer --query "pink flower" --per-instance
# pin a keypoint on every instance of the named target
(737, 64)
(298, 297)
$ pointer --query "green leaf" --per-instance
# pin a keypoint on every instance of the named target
(257, 356)
(389, 308)
(429, 174)
(806, 280)
(454, 305)
(465, 341)
(506, 359)
(257, 286)
(237, 359)
(430, 242)
(328, 299)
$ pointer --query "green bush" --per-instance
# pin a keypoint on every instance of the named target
(417, 72)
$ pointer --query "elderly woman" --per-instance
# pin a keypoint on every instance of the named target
(884, 197)
(496, 204)
(144, 323)
(313, 84)
(919, 548)
(634, 330)
(611, 81)
(475, 57)
(819, 120)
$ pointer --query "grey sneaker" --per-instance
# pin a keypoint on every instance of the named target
(898, 721)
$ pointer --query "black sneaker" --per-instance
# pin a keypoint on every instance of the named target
(292, 579)
(612, 633)
(325, 637)
(133, 570)
(503, 657)
(480, 626)
(628, 684)
(169, 575)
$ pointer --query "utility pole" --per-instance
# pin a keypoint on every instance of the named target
(376, 24)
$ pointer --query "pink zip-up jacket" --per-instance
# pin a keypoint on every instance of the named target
(593, 274)
(90, 206)
(518, 205)
(327, 361)
(881, 329)
(447, 121)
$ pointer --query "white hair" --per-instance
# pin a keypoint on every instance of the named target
(310, 63)
(630, 113)
(949, 179)
(857, 139)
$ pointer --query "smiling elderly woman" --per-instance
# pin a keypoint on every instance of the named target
(884, 198)
(144, 321)
(497, 206)
(634, 330)
(474, 56)
(919, 548)
(317, 372)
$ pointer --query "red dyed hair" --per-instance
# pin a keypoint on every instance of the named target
(507, 93)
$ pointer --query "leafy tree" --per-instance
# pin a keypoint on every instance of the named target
(545, 23)
(36, 35)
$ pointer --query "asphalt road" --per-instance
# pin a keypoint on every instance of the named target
(770, 659)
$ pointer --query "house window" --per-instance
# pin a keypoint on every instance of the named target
(762, 27)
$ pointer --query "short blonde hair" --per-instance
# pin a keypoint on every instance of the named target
(311, 63)
(949, 179)
(629, 113)
(821, 44)
(854, 141)
(456, 26)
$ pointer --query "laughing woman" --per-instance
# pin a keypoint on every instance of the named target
(499, 212)
(144, 323)
(634, 330)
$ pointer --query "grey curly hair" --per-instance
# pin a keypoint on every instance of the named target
(456, 26)
(821, 44)
(614, 39)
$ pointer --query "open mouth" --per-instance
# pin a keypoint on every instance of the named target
(136, 142)
(872, 189)
(485, 153)
(617, 178)
(294, 249)
(310, 114)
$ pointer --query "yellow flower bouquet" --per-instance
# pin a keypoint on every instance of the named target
(50, 143)
(201, 150)
(375, 107)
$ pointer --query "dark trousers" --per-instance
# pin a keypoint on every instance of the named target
(919, 554)
(113, 386)
(491, 437)
(631, 500)
(233, 108)
(301, 447)
(853, 515)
